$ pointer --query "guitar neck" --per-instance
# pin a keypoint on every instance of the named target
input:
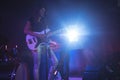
(49, 34)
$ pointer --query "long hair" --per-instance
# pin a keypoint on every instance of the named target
(37, 9)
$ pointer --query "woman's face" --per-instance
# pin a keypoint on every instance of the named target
(42, 12)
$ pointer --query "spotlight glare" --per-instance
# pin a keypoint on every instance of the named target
(72, 35)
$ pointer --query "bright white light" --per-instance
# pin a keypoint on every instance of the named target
(72, 35)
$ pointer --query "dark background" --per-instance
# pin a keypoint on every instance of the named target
(102, 18)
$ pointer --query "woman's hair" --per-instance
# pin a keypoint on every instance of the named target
(37, 9)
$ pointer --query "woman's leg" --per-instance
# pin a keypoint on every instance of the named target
(36, 58)
(53, 65)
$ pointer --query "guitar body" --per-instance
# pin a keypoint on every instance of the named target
(31, 42)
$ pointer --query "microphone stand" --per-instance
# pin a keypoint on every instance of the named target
(46, 53)
(44, 58)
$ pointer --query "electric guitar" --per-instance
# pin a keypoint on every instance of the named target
(33, 42)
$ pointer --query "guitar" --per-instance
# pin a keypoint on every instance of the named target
(33, 42)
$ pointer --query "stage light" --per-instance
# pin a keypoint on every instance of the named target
(72, 34)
